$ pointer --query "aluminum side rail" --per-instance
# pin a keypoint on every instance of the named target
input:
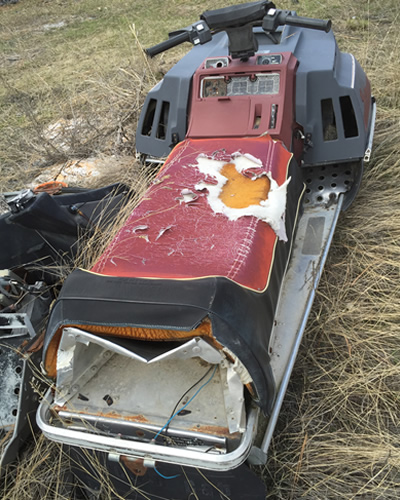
(313, 240)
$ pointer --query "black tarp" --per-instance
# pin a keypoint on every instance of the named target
(46, 230)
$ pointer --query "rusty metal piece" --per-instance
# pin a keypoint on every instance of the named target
(37, 344)
(51, 187)
(111, 414)
(137, 467)
(214, 430)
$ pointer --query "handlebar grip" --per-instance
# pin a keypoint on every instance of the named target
(307, 22)
(168, 44)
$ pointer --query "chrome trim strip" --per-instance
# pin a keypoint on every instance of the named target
(368, 151)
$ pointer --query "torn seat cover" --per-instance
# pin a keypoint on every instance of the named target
(202, 255)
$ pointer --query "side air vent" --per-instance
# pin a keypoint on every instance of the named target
(163, 121)
(149, 117)
(328, 120)
(348, 117)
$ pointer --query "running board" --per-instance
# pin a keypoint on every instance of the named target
(313, 240)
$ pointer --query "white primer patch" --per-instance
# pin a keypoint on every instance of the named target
(162, 231)
(64, 358)
(272, 210)
(187, 196)
(139, 228)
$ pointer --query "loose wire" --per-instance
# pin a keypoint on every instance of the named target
(183, 407)
(165, 477)
(175, 413)
(187, 392)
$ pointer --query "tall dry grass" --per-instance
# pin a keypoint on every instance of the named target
(338, 436)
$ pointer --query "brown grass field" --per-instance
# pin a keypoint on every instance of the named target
(338, 436)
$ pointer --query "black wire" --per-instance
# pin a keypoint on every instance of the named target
(187, 392)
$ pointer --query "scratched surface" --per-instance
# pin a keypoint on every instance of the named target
(174, 232)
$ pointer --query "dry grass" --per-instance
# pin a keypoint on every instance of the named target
(338, 435)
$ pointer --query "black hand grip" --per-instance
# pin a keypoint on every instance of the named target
(307, 22)
(168, 44)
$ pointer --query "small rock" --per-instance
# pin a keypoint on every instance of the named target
(85, 172)
(13, 58)
(48, 27)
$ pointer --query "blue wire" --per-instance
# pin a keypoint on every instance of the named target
(175, 414)
(190, 400)
(166, 477)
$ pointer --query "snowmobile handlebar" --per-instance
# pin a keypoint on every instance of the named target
(255, 14)
(275, 18)
(173, 41)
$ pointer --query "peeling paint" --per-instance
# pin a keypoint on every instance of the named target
(64, 358)
(139, 228)
(214, 430)
(270, 210)
(162, 231)
(111, 414)
(187, 196)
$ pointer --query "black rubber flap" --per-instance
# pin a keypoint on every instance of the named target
(169, 481)
(93, 299)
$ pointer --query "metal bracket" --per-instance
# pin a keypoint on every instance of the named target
(18, 323)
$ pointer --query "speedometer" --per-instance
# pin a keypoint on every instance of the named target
(214, 87)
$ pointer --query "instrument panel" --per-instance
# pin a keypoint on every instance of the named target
(259, 84)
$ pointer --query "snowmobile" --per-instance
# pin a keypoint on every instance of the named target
(169, 358)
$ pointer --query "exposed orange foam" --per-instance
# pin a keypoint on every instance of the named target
(150, 334)
(241, 191)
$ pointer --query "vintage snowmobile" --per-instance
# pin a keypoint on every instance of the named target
(169, 358)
